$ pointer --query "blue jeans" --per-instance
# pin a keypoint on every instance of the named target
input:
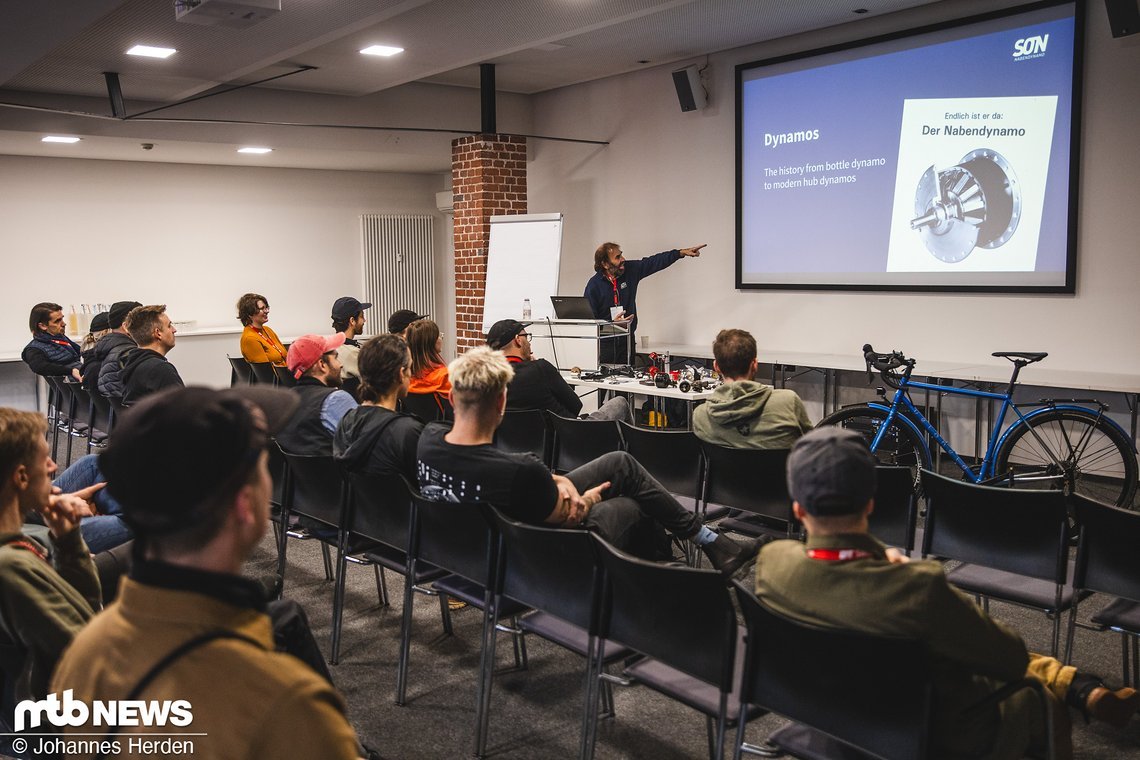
(107, 529)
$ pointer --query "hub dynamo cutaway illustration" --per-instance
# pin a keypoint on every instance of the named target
(974, 204)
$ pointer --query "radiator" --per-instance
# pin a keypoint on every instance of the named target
(398, 264)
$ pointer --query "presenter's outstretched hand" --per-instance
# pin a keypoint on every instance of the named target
(692, 250)
(622, 319)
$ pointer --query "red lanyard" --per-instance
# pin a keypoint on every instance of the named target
(617, 302)
(22, 544)
(515, 359)
(838, 555)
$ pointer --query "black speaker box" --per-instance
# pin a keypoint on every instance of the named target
(1123, 17)
(690, 91)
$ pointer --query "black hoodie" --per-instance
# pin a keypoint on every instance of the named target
(144, 372)
(378, 441)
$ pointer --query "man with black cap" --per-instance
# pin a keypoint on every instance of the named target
(313, 360)
(348, 318)
(107, 351)
(400, 319)
(537, 384)
(844, 578)
(186, 625)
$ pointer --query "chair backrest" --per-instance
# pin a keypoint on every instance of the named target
(1106, 553)
(458, 538)
(578, 442)
(283, 376)
(672, 457)
(65, 399)
(872, 692)
(682, 616)
(380, 508)
(551, 569)
(314, 488)
(896, 508)
(240, 373)
(262, 372)
(429, 407)
(104, 415)
(83, 410)
(524, 430)
(1021, 531)
(752, 480)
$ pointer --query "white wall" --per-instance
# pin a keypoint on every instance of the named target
(195, 238)
(667, 180)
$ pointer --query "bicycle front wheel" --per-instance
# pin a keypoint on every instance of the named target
(899, 444)
(1071, 450)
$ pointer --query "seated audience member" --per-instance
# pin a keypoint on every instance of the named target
(104, 528)
(537, 384)
(400, 319)
(743, 413)
(108, 374)
(844, 578)
(348, 318)
(42, 604)
(313, 361)
(374, 438)
(612, 495)
(429, 373)
(50, 352)
(190, 468)
(97, 330)
(259, 343)
(145, 368)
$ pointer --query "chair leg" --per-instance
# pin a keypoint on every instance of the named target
(1135, 660)
(710, 731)
(518, 640)
(327, 555)
(405, 636)
(1124, 658)
(445, 613)
(595, 653)
(282, 547)
(381, 585)
(338, 604)
(486, 676)
(1069, 638)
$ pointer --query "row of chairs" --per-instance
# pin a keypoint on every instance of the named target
(76, 411)
(243, 372)
(609, 607)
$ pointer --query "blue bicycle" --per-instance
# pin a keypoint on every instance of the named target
(1049, 444)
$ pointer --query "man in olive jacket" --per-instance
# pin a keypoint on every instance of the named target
(742, 413)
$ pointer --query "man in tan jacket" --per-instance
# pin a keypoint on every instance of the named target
(189, 467)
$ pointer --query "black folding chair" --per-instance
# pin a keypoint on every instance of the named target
(462, 540)
(682, 620)
(104, 413)
(895, 515)
(525, 431)
(283, 377)
(263, 373)
(752, 481)
(240, 372)
(578, 442)
(313, 490)
(805, 672)
(1013, 543)
(379, 515)
(556, 572)
(1106, 563)
(429, 407)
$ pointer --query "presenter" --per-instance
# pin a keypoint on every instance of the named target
(612, 292)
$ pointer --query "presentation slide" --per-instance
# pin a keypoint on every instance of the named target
(939, 160)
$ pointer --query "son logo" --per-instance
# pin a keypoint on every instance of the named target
(1031, 46)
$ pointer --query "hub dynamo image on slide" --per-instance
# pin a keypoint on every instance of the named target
(970, 184)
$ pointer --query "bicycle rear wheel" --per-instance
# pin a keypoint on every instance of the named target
(899, 444)
(1072, 450)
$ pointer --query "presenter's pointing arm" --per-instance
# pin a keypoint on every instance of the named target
(692, 250)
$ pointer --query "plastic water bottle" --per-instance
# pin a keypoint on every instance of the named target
(526, 309)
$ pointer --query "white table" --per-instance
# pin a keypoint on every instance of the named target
(633, 386)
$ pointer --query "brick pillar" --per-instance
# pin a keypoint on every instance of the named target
(488, 177)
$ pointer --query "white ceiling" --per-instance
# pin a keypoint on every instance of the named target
(53, 54)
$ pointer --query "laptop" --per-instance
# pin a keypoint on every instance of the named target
(572, 307)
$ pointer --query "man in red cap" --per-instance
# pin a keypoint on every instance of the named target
(313, 361)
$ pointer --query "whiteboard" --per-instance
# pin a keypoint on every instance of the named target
(522, 262)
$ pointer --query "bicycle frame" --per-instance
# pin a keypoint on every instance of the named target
(902, 409)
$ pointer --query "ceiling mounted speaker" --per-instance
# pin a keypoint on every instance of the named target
(690, 91)
(1123, 17)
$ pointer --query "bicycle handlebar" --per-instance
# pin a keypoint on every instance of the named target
(886, 364)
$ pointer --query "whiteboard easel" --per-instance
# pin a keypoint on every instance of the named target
(522, 262)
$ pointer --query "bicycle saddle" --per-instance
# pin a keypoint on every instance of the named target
(1029, 356)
